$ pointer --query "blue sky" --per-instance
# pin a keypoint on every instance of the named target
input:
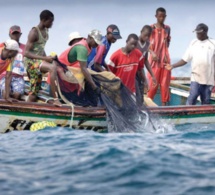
(130, 16)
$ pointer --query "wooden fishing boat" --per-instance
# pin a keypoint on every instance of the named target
(21, 115)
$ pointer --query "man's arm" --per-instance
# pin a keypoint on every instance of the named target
(142, 75)
(148, 66)
(176, 65)
(98, 67)
(86, 74)
(113, 62)
(32, 38)
(169, 38)
(99, 57)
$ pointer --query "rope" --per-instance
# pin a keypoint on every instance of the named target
(67, 102)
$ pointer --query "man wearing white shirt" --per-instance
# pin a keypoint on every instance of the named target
(201, 54)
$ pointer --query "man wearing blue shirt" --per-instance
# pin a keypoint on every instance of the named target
(96, 59)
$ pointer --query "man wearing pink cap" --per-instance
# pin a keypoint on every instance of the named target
(15, 72)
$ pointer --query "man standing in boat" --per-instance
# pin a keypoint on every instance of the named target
(201, 53)
(143, 46)
(15, 72)
(8, 51)
(96, 59)
(75, 60)
(126, 62)
(160, 41)
(36, 60)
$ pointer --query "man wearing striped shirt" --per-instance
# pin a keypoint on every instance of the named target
(126, 62)
(160, 40)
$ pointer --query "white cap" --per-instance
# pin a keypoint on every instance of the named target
(12, 45)
(74, 35)
(96, 35)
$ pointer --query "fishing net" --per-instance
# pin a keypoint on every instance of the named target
(123, 113)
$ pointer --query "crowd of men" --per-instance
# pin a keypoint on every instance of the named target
(150, 49)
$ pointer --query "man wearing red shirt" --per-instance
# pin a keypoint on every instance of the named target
(159, 44)
(126, 62)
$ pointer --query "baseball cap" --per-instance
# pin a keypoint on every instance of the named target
(74, 35)
(96, 35)
(114, 30)
(12, 45)
(14, 28)
(201, 27)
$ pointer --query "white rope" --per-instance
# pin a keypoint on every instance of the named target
(67, 102)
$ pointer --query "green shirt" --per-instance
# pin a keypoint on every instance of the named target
(78, 53)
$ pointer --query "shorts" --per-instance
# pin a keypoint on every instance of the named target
(35, 76)
(17, 85)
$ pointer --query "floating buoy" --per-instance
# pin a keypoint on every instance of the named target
(42, 125)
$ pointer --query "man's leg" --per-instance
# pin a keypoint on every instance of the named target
(35, 79)
(205, 93)
(52, 69)
(2, 88)
(165, 78)
(194, 93)
(17, 87)
(153, 89)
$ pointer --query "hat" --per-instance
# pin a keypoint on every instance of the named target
(114, 30)
(201, 27)
(14, 28)
(12, 45)
(96, 35)
(74, 35)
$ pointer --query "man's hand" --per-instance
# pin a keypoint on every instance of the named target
(146, 87)
(154, 56)
(168, 67)
(49, 59)
(154, 82)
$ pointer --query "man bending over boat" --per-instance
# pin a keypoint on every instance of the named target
(73, 61)
(74, 37)
(36, 60)
(15, 72)
(201, 53)
(126, 62)
(96, 59)
(8, 51)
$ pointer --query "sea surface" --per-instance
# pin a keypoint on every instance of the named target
(62, 161)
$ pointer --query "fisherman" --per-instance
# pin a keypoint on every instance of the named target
(143, 46)
(96, 59)
(75, 59)
(74, 37)
(8, 51)
(160, 41)
(126, 62)
(15, 72)
(36, 60)
(201, 53)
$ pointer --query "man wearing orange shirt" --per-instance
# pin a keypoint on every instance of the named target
(160, 40)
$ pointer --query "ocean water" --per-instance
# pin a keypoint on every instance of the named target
(65, 161)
